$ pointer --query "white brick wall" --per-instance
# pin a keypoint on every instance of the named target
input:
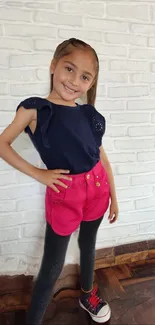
(122, 33)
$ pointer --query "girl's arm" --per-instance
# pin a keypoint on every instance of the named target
(22, 119)
(106, 164)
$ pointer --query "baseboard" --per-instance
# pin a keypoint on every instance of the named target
(15, 291)
(129, 253)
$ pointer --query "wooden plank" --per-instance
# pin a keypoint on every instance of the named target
(66, 293)
(103, 263)
(67, 312)
(7, 318)
(14, 283)
(128, 282)
(151, 244)
(19, 317)
(14, 301)
(131, 248)
(151, 254)
(104, 253)
(13, 318)
(131, 257)
(109, 284)
(142, 313)
(146, 262)
(143, 270)
(122, 271)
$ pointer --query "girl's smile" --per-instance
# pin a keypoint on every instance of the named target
(69, 90)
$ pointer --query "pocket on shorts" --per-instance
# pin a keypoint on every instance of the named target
(102, 187)
(56, 197)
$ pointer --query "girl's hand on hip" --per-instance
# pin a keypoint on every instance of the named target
(52, 177)
(113, 214)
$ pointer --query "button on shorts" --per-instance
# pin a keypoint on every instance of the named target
(86, 199)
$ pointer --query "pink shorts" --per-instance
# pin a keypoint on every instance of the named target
(85, 199)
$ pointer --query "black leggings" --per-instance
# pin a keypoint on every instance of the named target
(52, 263)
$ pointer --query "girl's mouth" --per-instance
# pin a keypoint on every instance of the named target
(69, 90)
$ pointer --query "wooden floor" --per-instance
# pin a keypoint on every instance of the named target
(130, 290)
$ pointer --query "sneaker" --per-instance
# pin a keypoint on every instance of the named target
(98, 309)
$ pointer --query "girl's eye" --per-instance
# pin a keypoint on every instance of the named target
(85, 78)
(69, 69)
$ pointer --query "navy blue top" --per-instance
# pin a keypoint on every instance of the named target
(66, 137)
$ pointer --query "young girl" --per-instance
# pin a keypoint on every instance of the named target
(78, 177)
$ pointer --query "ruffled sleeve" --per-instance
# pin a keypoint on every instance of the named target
(97, 122)
(44, 116)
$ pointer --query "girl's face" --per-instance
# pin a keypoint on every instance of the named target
(73, 75)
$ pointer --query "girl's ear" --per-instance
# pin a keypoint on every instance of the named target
(52, 66)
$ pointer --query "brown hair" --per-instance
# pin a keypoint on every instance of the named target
(65, 48)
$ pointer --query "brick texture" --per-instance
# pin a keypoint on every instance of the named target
(122, 32)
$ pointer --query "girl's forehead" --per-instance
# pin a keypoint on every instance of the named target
(83, 59)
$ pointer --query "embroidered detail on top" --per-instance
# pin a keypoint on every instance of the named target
(98, 125)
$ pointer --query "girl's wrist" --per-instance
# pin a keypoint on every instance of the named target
(113, 198)
(35, 173)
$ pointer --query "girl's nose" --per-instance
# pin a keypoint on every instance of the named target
(74, 80)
